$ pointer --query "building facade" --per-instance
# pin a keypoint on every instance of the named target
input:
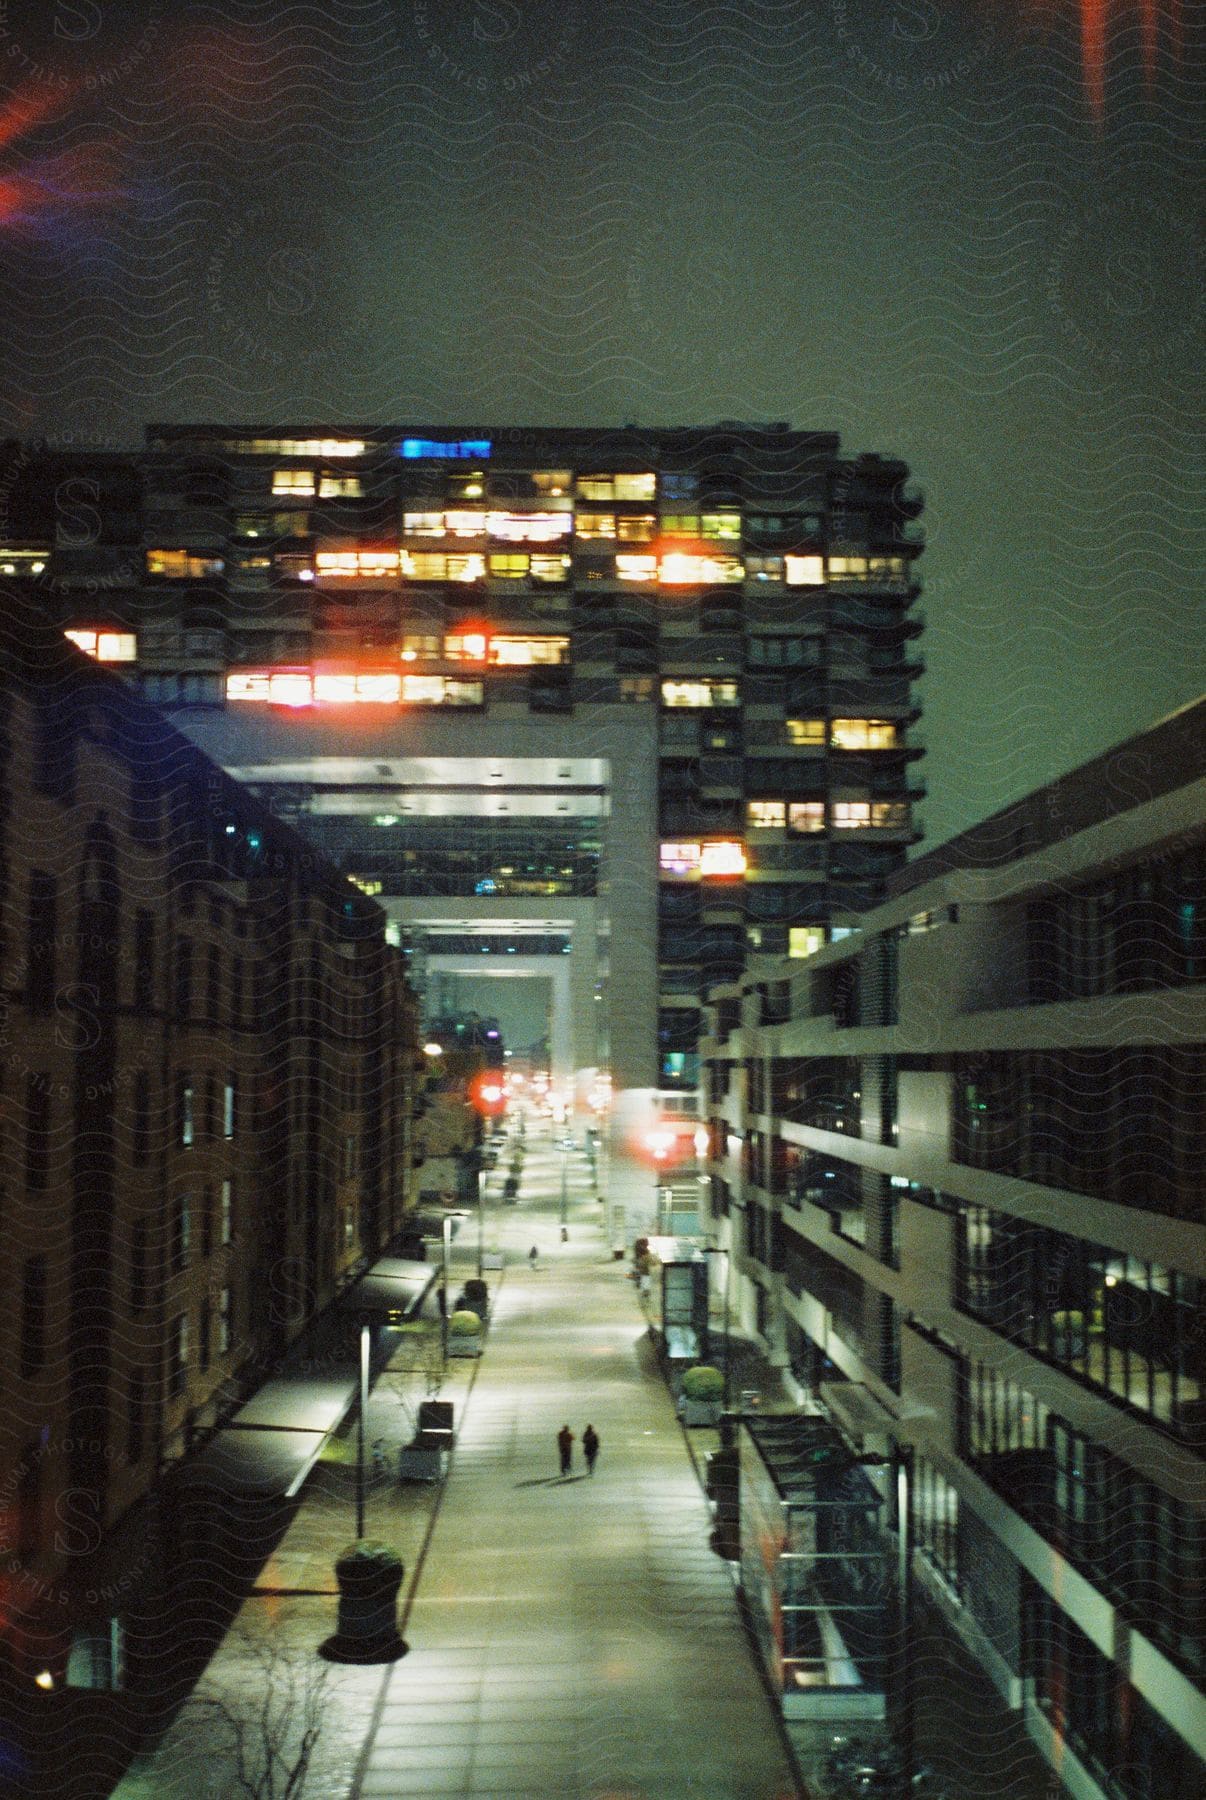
(957, 1161)
(639, 699)
(208, 1076)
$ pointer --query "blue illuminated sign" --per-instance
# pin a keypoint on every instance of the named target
(444, 447)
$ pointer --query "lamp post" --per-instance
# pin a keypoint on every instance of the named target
(564, 1182)
(444, 1292)
(364, 1393)
(903, 1470)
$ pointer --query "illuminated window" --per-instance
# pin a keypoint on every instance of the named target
(376, 565)
(183, 565)
(423, 524)
(367, 884)
(699, 693)
(293, 564)
(863, 734)
(553, 482)
(851, 815)
(470, 646)
(636, 528)
(551, 569)
(720, 525)
(22, 562)
(847, 568)
(805, 731)
(465, 522)
(680, 524)
(383, 689)
(509, 567)
(617, 487)
(721, 859)
(280, 687)
(443, 448)
(630, 567)
(636, 687)
(516, 651)
(804, 571)
(805, 940)
(529, 528)
(253, 525)
(340, 487)
(420, 647)
(425, 565)
(254, 566)
(806, 815)
(767, 815)
(296, 446)
(105, 646)
(679, 569)
(679, 859)
(438, 690)
(764, 568)
(595, 525)
(889, 568)
(293, 481)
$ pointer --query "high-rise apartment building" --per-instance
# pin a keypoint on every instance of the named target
(617, 708)
(956, 1163)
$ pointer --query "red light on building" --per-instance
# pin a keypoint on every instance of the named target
(488, 1094)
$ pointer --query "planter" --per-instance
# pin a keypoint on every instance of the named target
(466, 1344)
(700, 1412)
(369, 1575)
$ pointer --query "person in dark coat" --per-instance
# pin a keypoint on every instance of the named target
(565, 1448)
(590, 1448)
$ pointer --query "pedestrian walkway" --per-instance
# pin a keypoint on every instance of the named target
(571, 1638)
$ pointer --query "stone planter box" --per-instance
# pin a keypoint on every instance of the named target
(466, 1344)
(367, 1626)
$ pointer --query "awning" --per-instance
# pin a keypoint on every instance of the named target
(270, 1445)
(254, 1464)
(391, 1291)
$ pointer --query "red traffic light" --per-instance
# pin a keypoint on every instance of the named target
(488, 1094)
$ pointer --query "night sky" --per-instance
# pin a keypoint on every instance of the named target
(965, 233)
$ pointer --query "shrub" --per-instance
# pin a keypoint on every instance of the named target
(368, 1562)
(464, 1324)
(703, 1382)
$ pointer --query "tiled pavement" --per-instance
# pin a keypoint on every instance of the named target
(572, 1639)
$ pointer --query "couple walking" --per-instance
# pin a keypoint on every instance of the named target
(565, 1448)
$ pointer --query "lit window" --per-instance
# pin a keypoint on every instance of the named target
(851, 815)
(804, 571)
(636, 528)
(296, 446)
(764, 568)
(341, 690)
(679, 859)
(699, 693)
(680, 524)
(550, 569)
(722, 859)
(293, 481)
(678, 569)
(420, 647)
(855, 815)
(631, 567)
(465, 522)
(847, 568)
(106, 646)
(340, 487)
(863, 734)
(806, 815)
(805, 731)
(805, 940)
(529, 528)
(507, 651)
(636, 687)
(508, 567)
(595, 525)
(423, 524)
(437, 690)
(419, 448)
(767, 815)
(183, 565)
(425, 565)
(22, 562)
(553, 482)
(468, 647)
(635, 487)
(376, 565)
(720, 525)
(280, 687)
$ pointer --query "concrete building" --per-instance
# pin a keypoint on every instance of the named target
(207, 1081)
(610, 708)
(956, 1162)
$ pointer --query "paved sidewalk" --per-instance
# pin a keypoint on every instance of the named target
(571, 1639)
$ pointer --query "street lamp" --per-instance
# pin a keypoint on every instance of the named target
(564, 1182)
(448, 1218)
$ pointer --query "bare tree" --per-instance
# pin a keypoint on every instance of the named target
(268, 1712)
